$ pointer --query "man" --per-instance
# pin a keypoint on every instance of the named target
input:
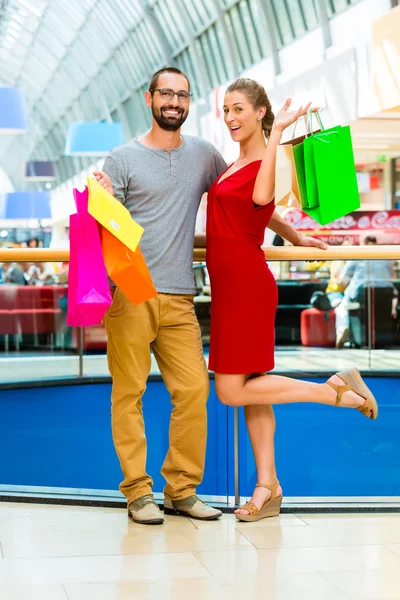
(355, 274)
(15, 273)
(161, 177)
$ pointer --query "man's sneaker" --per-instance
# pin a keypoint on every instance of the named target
(144, 510)
(191, 507)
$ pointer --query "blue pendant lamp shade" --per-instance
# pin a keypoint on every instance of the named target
(27, 205)
(35, 170)
(93, 139)
(13, 118)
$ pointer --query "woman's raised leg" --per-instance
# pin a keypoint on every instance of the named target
(235, 390)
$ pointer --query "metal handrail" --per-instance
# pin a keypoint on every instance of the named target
(271, 253)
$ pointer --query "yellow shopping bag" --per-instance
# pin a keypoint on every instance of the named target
(113, 215)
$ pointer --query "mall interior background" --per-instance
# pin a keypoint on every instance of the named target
(90, 61)
(342, 54)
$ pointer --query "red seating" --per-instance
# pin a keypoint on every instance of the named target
(35, 310)
(94, 338)
(318, 328)
(7, 297)
(30, 310)
(8, 321)
(38, 321)
(39, 297)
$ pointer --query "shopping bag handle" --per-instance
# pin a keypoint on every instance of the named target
(326, 141)
(309, 121)
(295, 125)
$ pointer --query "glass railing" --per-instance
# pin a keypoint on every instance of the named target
(38, 350)
(34, 334)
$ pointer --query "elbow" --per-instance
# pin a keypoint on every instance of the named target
(263, 199)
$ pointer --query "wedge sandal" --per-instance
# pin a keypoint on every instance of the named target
(270, 508)
(355, 383)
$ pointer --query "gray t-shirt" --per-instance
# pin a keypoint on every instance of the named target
(162, 191)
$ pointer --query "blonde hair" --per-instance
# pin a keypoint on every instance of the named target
(258, 98)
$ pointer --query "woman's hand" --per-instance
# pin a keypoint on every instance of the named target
(104, 180)
(311, 242)
(285, 117)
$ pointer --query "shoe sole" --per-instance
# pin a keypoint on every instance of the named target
(159, 521)
(173, 511)
(270, 509)
(353, 378)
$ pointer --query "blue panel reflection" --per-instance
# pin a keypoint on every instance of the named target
(61, 437)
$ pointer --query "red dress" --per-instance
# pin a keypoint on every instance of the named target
(244, 293)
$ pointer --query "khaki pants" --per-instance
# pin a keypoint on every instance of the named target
(168, 325)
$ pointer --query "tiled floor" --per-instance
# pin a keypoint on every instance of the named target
(74, 553)
(287, 358)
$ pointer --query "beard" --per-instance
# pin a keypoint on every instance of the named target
(166, 122)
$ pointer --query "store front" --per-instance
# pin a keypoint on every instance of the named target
(384, 225)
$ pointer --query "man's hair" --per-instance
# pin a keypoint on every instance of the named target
(154, 80)
(371, 239)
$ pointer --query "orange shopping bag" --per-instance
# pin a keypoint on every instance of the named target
(127, 269)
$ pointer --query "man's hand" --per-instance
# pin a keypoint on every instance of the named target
(310, 242)
(104, 180)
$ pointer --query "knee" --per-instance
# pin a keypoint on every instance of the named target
(200, 389)
(193, 394)
(226, 395)
(227, 399)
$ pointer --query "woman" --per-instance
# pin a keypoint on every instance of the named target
(244, 292)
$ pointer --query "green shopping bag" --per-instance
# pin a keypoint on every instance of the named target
(326, 174)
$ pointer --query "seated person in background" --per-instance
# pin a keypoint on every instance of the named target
(14, 273)
(335, 290)
(395, 302)
(63, 274)
(48, 273)
(32, 274)
(34, 243)
(40, 274)
(356, 274)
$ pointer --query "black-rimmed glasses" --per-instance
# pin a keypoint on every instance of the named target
(167, 94)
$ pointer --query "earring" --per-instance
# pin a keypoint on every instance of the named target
(258, 118)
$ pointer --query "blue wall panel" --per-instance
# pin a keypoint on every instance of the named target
(61, 437)
(328, 451)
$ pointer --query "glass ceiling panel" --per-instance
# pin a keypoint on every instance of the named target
(106, 13)
(172, 22)
(54, 46)
(127, 65)
(86, 56)
(131, 12)
(200, 13)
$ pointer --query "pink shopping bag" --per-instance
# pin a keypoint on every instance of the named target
(88, 289)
